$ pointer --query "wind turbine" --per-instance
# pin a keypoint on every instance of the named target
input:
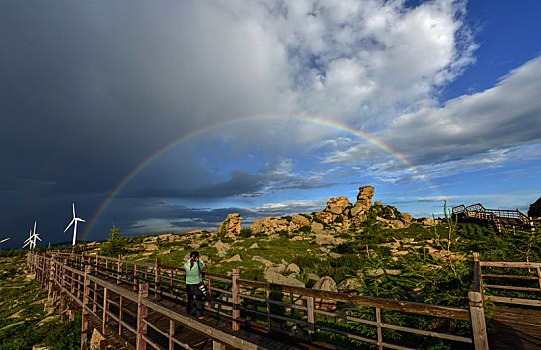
(74, 221)
(32, 239)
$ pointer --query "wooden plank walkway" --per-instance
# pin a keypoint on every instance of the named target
(515, 328)
(189, 338)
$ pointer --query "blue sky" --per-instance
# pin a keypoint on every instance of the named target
(446, 94)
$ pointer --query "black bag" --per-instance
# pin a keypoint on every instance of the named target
(203, 289)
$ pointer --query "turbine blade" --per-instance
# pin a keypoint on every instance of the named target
(71, 222)
(35, 222)
(81, 220)
(27, 243)
(38, 238)
(73, 204)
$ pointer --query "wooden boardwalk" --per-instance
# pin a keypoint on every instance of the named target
(514, 328)
(500, 218)
(141, 305)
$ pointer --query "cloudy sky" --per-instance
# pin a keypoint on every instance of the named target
(168, 115)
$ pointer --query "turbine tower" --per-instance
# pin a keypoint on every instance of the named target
(74, 222)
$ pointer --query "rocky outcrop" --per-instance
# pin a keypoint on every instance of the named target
(338, 206)
(363, 204)
(406, 217)
(232, 225)
(270, 225)
(298, 221)
(427, 222)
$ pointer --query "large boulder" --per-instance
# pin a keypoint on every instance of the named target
(270, 225)
(338, 205)
(274, 277)
(328, 284)
(298, 221)
(232, 225)
(222, 248)
(406, 217)
(317, 228)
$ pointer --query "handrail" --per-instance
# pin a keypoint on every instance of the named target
(389, 304)
(506, 276)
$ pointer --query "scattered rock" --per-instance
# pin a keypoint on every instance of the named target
(383, 272)
(96, 339)
(349, 285)
(262, 260)
(151, 247)
(293, 268)
(328, 239)
(235, 257)
(254, 246)
(274, 277)
(335, 255)
(222, 248)
(47, 319)
(427, 222)
(328, 284)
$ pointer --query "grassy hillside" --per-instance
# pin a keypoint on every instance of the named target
(25, 317)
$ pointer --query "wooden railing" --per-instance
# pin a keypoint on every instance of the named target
(299, 313)
(533, 274)
(498, 216)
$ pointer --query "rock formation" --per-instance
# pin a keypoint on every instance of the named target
(232, 225)
(363, 204)
(270, 225)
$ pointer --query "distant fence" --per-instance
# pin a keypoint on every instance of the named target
(312, 317)
(499, 217)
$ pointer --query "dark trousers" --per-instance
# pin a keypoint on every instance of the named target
(191, 290)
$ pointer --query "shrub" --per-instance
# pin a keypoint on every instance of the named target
(246, 232)
(115, 244)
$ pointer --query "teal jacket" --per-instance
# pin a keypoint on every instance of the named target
(192, 275)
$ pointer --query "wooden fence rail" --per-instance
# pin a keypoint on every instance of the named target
(534, 267)
(103, 287)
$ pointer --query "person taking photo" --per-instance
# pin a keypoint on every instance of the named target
(194, 279)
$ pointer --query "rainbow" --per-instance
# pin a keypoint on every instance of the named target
(306, 119)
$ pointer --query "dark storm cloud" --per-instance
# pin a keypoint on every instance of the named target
(240, 184)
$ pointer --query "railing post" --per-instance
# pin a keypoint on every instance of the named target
(379, 332)
(157, 279)
(217, 346)
(84, 311)
(171, 333)
(141, 344)
(119, 269)
(134, 277)
(236, 299)
(62, 306)
(311, 314)
(51, 278)
(105, 310)
(477, 315)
